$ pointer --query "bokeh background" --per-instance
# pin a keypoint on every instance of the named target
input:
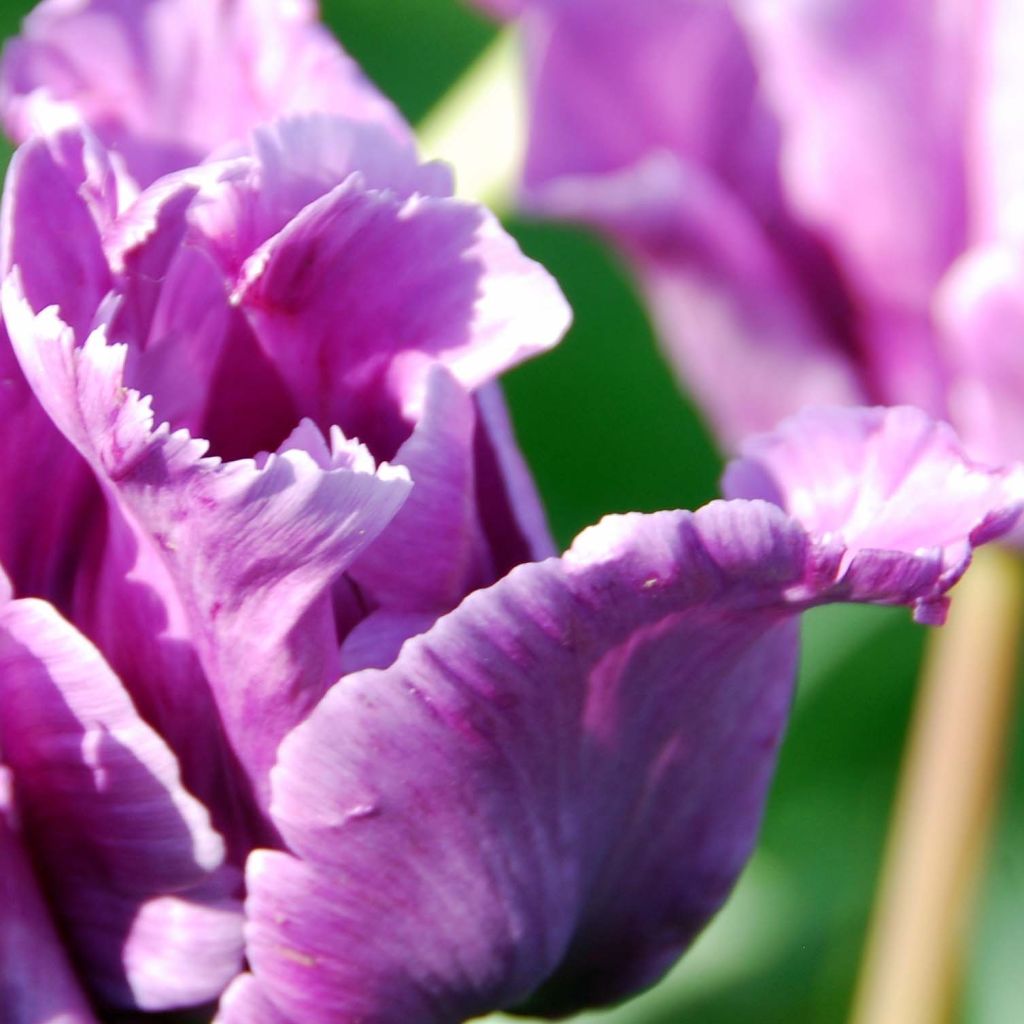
(605, 429)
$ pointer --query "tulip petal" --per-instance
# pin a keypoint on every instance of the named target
(995, 156)
(119, 841)
(38, 984)
(61, 194)
(556, 722)
(510, 505)
(244, 1003)
(980, 308)
(437, 527)
(894, 488)
(382, 287)
(252, 546)
(647, 122)
(165, 83)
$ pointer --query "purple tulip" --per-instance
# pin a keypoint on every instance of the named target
(292, 634)
(820, 200)
(204, 593)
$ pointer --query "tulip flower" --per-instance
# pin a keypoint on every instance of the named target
(295, 638)
(539, 802)
(321, 278)
(820, 201)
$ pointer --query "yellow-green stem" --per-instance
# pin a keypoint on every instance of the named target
(945, 806)
(480, 125)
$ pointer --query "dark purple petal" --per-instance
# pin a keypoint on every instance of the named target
(436, 530)
(557, 723)
(37, 984)
(510, 506)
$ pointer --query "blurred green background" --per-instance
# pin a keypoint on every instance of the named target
(605, 430)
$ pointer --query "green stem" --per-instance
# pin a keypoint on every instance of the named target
(945, 806)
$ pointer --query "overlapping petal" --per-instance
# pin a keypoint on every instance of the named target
(128, 858)
(165, 83)
(233, 287)
(544, 798)
(252, 546)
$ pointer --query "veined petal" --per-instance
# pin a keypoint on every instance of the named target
(513, 828)
(168, 82)
(546, 796)
(38, 984)
(116, 835)
(252, 546)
